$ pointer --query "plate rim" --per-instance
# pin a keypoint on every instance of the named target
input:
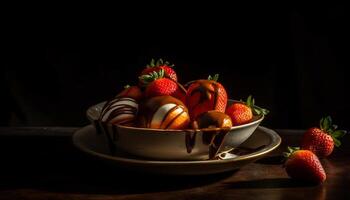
(276, 141)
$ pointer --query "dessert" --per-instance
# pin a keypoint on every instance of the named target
(166, 104)
(155, 66)
(242, 112)
(212, 119)
(205, 95)
(164, 112)
(158, 85)
(119, 111)
(159, 101)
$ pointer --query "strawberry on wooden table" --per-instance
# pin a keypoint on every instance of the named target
(155, 66)
(204, 95)
(304, 165)
(321, 140)
(242, 112)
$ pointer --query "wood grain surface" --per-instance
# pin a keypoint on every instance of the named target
(42, 163)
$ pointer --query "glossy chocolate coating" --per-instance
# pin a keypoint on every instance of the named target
(214, 125)
(213, 119)
(151, 106)
(119, 111)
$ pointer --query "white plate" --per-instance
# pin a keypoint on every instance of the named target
(262, 141)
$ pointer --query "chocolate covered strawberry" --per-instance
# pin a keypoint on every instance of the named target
(321, 140)
(242, 112)
(304, 165)
(131, 92)
(159, 85)
(205, 95)
(155, 66)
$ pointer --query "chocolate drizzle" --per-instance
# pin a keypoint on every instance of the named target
(115, 134)
(109, 139)
(214, 139)
(211, 137)
(214, 126)
(166, 115)
(150, 107)
(109, 112)
(173, 119)
(113, 109)
(207, 89)
(98, 127)
(190, 140)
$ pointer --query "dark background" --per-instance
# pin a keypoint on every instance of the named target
(293, 59)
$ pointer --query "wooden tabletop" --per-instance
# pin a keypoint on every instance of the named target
(42, 163)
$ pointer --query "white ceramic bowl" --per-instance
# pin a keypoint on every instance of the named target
(163, 144)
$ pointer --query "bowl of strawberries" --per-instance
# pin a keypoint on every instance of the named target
(161, 119)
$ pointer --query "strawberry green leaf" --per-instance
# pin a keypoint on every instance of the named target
(152, 64)
(326, 123)
(321, 123)
(214, 78)
(148, 78)
(290, 151)
(250, 103)
(338, 133)
(337, 142)
(126, 87)
(256, 109)
(159, 62)
(260, 111)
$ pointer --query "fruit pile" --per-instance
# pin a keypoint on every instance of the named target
(317, 142)
(159, 101)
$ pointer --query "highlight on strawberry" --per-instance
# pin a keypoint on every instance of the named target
(155, 66)
(304, 165)
(321, 140)
(243, 112)
(158, 85)
(204, 95)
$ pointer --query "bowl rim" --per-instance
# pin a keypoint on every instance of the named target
(154, 130)
(257, 120)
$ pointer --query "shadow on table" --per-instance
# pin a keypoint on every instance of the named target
(104, 180)
(268, 183)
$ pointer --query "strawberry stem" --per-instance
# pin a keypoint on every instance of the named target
(290, 151)
(214, 78)
(158, 63)
(148, 78)
(256, 109)
(126, 86)
(327, 126)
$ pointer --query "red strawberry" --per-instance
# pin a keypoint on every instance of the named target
(154, 66)
(132, 92)
(205, 95)
(321, 140)
(242, 113)
(304, 165)
(158, 85)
